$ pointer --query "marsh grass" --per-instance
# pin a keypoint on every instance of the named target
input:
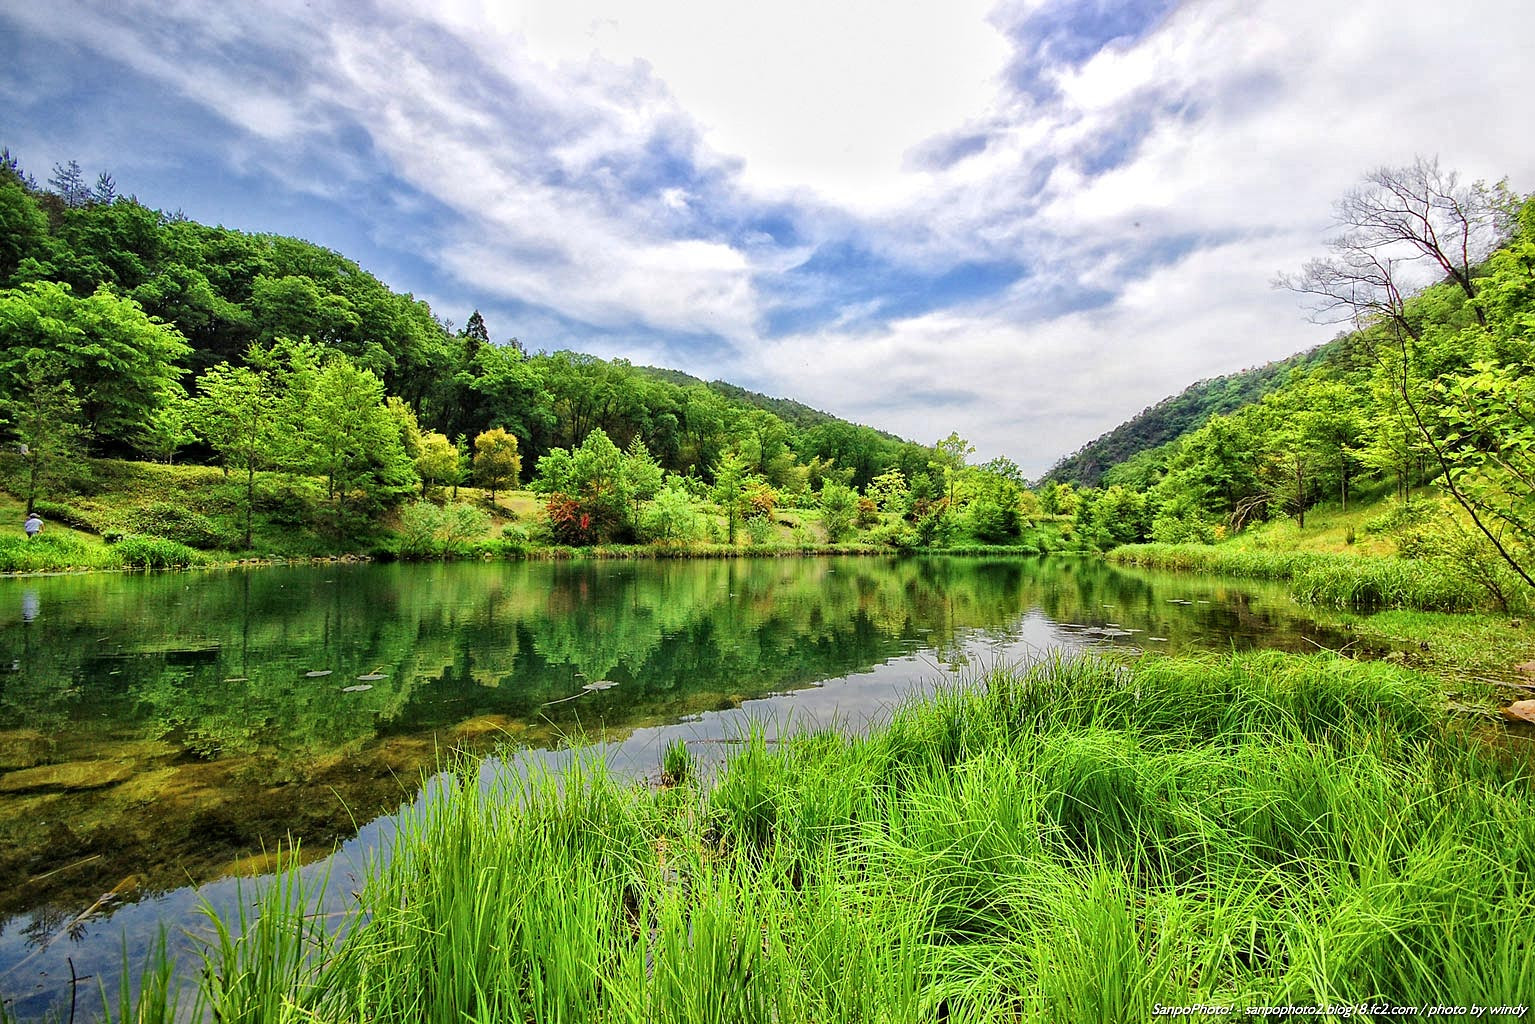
(1341, 581)
(1077, 841)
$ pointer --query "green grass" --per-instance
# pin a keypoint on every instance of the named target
(1080, 841)
(1342, 581)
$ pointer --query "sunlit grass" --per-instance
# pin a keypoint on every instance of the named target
(1078, 841)
(1342, 581)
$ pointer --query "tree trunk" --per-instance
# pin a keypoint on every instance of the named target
(250, 500)
(1300, 494)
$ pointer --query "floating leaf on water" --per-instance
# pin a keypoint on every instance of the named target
(372, 677)
(601, 684)
(317, 673)
(357, 689)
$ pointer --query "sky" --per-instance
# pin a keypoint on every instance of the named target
(1023, 221)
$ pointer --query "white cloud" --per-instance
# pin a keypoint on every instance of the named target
(536, 124)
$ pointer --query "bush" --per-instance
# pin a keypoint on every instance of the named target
(427, 531)
(140, 552)
(296, 503)
(48, 551)
(176, 523)
(759, 531)
(67, 515)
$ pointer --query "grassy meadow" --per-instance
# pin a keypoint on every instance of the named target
(1080, 841)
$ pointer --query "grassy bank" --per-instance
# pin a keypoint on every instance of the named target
(1342, 581)
(116, 515)
(1079, 842)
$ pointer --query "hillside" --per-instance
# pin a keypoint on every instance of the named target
(1182, 413)
(201, 297)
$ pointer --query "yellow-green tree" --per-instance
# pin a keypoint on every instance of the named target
(437, 463)
(496, 462)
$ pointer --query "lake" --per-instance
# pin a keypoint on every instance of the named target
(162, 736)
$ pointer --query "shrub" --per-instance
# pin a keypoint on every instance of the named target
(838, 506)
(67, 515)
(175, 523)
(759, 531)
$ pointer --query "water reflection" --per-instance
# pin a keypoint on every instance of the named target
(164, 731)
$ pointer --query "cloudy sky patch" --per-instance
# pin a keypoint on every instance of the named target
(1025, 221)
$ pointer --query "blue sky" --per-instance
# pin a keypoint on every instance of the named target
(1023, 221)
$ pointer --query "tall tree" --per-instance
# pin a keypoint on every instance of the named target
(1398, 219)
(121, 363)
(43, 416)
(68, 183)
(496, 461)
(237, 412)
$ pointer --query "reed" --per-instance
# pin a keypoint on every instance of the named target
(1341, 581)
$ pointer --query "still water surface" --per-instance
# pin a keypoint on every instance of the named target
(161, 734)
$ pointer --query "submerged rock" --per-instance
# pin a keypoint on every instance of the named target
(70, 775)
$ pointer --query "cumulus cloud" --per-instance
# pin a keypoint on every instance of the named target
(1023, 220)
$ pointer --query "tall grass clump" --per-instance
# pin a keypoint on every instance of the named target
(136, 552)
(1082, 840)
(52, 552)
(1343, 581)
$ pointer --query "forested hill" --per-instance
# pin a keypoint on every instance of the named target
(128, 309)
(1183, 413)
(797, 414)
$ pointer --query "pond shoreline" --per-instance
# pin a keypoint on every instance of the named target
(1080, 835)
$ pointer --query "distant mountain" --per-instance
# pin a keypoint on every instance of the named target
(796, 414)
(1183, 413)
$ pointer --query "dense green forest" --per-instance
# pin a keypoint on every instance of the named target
(132, 333)
(1427, 405)
(334, 404)
(1135, 441)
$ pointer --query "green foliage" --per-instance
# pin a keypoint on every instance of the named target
(237, 413)
(44, 417)
(732, 489)
(1078, 841)
(676, 763)
(1342, 581)
(437, 462)
(838, 507)
(142, 552)
(119, 362)
(175, 523)
(429, 531)
(1181, 414)
(51, 551)
(672, 517)
(496, 462)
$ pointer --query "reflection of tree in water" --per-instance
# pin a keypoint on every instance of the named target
(219, 661)
(200, 679)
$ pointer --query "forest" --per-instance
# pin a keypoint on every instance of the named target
(133, 334)
(335, 407)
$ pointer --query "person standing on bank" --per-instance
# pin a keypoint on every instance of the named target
(34, 525)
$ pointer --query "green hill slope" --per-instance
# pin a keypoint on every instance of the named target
(1182, 413)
